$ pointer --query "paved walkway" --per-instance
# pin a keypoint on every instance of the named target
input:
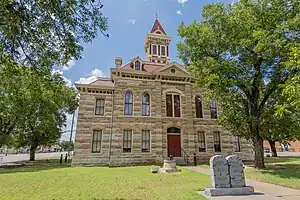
(263, 191)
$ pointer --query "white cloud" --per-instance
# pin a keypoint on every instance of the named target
(179, 12)
(60, 72)
(93, 75)
(132, 21)
(69, 65)
(182, 2)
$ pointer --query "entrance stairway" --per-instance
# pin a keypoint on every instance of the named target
(180, 161)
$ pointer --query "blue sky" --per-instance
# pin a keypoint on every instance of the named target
(129, 21)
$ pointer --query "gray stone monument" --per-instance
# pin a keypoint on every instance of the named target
(219, 172)
(169, 166)
(236, 171)
(227, 177)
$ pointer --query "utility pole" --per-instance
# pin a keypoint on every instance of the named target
(71, 134)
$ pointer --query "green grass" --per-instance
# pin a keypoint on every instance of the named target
(54, 181)
(283, 171)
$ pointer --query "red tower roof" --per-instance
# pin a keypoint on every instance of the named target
(157, 26)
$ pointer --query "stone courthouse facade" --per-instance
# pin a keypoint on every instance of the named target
(148, 110)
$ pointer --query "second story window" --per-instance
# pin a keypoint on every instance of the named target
(173, 105)
(128, 106)
(199, 111)
(99, 110)
(146, 104)
(137, 66)
(213, 109)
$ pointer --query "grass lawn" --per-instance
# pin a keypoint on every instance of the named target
(55, 181)
(283, 171)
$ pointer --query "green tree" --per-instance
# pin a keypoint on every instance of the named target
(42, 100)
(239, 53)
(49, 32)
(279, 128)
(66, 144)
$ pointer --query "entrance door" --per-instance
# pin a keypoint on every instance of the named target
(174, 145)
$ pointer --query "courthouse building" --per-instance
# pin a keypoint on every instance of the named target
(148, 110)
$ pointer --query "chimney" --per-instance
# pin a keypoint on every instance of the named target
(118, 62)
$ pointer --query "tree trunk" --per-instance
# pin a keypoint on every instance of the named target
(32, 153)
(273, 148)
(258, 151)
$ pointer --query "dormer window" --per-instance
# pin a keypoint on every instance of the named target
(154, 49)
(137, 66)
(163, 50)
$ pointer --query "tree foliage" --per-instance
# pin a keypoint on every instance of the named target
(241, 53)
(66, 144)
(42, 100)
(45, 33)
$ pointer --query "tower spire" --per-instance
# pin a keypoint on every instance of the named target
(157, 43)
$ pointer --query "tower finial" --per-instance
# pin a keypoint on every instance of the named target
(156, 16)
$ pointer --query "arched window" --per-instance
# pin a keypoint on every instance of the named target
(213, 109)
(128, 106)
(173, 130)
(199, 111)
(146, 104)
(173, 105)
(137, 66)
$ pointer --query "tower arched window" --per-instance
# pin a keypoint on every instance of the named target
(137, 66)
(128, 106)
(199, 111)
(213, 109)
(146, 104)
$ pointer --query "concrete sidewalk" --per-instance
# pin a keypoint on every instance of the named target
(263, 191)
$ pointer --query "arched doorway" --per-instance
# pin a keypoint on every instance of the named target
(174, 142)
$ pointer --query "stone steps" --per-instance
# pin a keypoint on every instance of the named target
(180, 161)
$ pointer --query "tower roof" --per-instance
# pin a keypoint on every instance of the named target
(157, 26)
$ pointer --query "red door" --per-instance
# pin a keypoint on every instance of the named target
(174, 145)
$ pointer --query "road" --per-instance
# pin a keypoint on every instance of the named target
(22, 157)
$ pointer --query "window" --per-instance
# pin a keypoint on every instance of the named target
(173, 130)
(145, 141)
(201, 141)
(199, 111)
(128, 107)
(217, 141)
(163, 51)
(96, 142)
(213, 109)
(146, 104)
(154, 49)
(99, 107)
(173, 105)
(137, 66)
(127, 141)
(236, 143)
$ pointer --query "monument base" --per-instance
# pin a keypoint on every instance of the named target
(169, 167)
(248, 190)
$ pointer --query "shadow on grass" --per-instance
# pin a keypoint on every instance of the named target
(285, 171)
(34, 166)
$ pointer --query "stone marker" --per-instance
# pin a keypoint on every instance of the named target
(227, 177)
(169, 166)
(219, 172)
(236, 171)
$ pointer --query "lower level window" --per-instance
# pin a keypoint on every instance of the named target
(127, 141)
(145, 141)
(236, 143)
(201, 141)
(96, 142)
(217, 141)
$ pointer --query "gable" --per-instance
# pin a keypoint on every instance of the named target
(173, 69)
